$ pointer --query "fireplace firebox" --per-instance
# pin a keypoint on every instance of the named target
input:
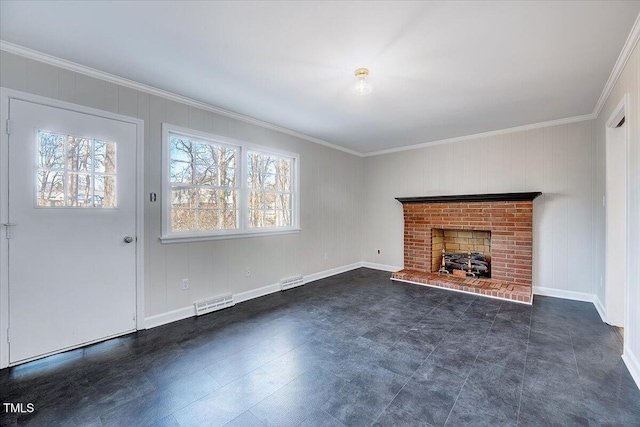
(481, 243)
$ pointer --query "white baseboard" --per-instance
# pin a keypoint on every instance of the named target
(600, 308)
(559, 293)
(381, 267)
(256, 293)
(185, 312)
(633, 365)
(169, 316)
(331, 272)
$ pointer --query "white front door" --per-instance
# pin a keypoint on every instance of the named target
(71, 238)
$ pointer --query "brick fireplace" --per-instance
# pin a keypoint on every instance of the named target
(496, 228)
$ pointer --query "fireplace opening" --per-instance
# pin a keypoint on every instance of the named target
(465, 253)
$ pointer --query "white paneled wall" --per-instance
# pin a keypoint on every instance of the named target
(331, 195)
(629, 84)
(558, 161)
(348, 210)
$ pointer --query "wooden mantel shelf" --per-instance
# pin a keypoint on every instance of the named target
(494, 197)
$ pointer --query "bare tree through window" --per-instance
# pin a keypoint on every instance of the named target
(204, 191)
(270, 193)
(75, 171)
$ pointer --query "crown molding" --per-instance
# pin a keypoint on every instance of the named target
(621, 62)
(549, 123)
(111, 78)
(624, 56)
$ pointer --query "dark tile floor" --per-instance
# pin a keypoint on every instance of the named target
(353, 349)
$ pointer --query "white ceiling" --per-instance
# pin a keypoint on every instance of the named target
(440, 69)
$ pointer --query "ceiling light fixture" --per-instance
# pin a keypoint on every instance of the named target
(362, 86)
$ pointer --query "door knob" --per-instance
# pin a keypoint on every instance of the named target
(128, 239)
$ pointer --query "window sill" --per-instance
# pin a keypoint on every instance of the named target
(188, 239)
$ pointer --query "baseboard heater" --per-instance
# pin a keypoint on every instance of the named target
(293, 282)
(214, 304)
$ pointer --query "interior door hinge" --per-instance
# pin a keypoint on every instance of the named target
(8, 335)
(8, 129)
(8, 226)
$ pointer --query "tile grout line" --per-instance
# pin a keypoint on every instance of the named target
(418, 368)
(524, 369)
(472, 366)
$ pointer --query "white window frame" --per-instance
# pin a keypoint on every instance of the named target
(243, 229)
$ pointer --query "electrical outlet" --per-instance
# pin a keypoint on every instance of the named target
(247, 272)
(185, 284)
(326, 256)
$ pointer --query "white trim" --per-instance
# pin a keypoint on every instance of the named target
(256, 293)
(92, 72)
(621, 62)
(381, 267)
(202, 238)
(5, 96)
(618, 113)
(81, 69)
(560, 293)
(463, 292)
(185, 312)
(600, 308)
(331, 272)
(242, 149)
(169, 317)
(4, 244)
(632, 364)
(488, 134)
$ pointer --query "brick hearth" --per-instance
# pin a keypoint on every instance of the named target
(509, 218)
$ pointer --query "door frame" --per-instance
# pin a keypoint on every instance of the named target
(618, 113)
(6, 95)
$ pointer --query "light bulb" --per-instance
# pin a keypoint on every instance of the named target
(362, 85)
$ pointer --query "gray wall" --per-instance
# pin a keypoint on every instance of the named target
(331, 194)
(557, 160)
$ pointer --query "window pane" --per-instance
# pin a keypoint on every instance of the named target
(210, 219)
(230, 219)
(105, 157)
(285, 218)
(183, 197)
(50, 188)
(79, 155)
(270, 177)
(283, 201)
(284, 183)
(182, 159)
(50, 150)
(256, 218)
(183, 209)
(105, 191)
(206, 164)
(209, 199)
(216, 219)
(283, 174)
(79, 190)
(181, 172)
(183, 219)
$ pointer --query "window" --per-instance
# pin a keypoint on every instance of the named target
(75, 172)
(216, 187)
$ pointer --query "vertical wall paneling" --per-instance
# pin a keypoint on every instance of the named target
(555, 160)
(331, 187)
(331, 195)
